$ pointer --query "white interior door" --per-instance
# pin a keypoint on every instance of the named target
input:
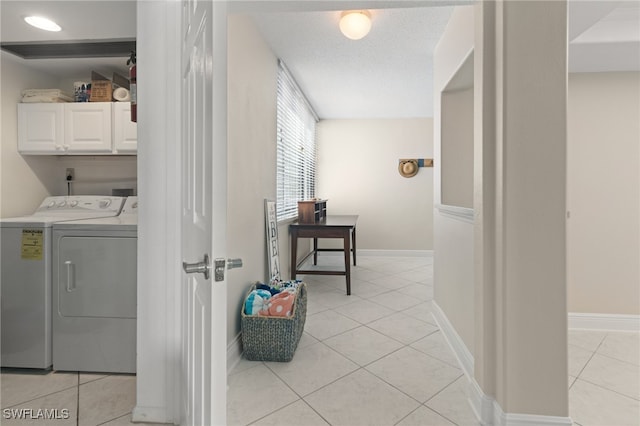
(203, 216)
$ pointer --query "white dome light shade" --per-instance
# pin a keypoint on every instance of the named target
(355, 24)
(42, 23)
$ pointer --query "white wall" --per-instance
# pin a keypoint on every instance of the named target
(252, 79)
(517, 223)
(453, 234)
(357, 172)
(26, 180)
(457, 147)
(603, 193)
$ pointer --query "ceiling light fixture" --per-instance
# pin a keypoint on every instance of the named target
(42, 23)
(355, 24)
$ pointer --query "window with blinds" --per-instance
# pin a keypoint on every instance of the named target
(296, 145)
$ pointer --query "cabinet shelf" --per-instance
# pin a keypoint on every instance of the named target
(312, 211)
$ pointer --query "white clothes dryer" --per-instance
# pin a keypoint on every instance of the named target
(25, 275)
(95, 293)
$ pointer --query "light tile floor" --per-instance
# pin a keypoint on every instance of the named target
(377, 357)
(604, 378)
(374, 358)
(69, 398)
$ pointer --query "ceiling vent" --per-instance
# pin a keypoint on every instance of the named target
(71, 49)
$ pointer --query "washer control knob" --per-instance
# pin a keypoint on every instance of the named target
(51, 204)
(104, 203)
(62, 203)
(74, 203)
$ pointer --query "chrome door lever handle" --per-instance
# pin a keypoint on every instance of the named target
(234, 263)
(199, 267)
(222, 264)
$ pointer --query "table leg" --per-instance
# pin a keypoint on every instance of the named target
(354, 246)
(347, 259)
(315, 251)
(294, 253)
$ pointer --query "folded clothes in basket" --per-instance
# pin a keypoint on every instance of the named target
(256, 302)
(275, 300)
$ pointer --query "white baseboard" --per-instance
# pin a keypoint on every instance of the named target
(513, 419)
(465, 358)
(485, 407)
(481, 404)
(610, 322)
(234, 352)
(392, 253)
(150, 415)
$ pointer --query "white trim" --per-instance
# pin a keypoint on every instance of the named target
(513, 419)
(611, 322)
(464, 356)
(149, 415)
(393, 253)
(454, 212)
(234, 353)
(486, 408)
(158, 327)
(481, 404)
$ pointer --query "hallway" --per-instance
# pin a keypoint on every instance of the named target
(378, 358)
(374, 358)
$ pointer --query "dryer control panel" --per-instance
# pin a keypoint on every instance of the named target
(130, 206)
(82, 205)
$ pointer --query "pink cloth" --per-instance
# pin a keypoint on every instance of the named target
(279, 305)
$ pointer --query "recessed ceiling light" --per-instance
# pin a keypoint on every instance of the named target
(42, 23)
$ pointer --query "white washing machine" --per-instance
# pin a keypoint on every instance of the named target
(25, 275)
(95, 293)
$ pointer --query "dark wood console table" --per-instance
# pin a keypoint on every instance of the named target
(331, 227)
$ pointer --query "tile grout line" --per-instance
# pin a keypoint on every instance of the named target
(403, 345)
(607, 389)
(438, 393)
(616, 359)
(78, 401)
(39, 397)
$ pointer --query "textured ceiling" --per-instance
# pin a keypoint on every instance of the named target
(386, 74)
(389, 72)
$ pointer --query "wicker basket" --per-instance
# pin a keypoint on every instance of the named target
(274, 338)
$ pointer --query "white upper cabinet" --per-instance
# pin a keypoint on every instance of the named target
(87, 127)
(40, 128)
(83, 128)
(125, 131)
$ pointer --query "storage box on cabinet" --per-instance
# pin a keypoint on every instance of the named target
(95, 128)
(312, 211)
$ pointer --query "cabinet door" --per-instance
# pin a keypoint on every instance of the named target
(87, 127)
(125, 131)
(40, 128)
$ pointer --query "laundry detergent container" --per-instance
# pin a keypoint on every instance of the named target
(267, 338)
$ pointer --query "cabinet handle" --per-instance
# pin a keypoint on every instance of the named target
(58, 147)
(66, 147)
(71, 276)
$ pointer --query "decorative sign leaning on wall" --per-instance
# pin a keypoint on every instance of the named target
(271, 223)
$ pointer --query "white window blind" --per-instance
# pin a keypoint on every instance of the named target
(296, 145)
